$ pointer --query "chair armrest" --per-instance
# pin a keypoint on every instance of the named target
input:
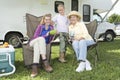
(23, 41)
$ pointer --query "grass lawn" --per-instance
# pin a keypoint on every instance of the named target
(107, 68)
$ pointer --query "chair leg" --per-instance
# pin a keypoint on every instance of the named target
(72, 50)
(48, 53)
(97, 53)
(73, 62)
(96, 56)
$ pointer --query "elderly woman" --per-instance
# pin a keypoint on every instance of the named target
(80, 40)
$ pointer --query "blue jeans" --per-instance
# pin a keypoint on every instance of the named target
(80, 48)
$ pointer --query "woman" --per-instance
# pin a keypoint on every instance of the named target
(80, 40)
(38, 42)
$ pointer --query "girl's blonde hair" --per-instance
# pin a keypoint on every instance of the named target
(43, 18)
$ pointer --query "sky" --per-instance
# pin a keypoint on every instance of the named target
(116, 9)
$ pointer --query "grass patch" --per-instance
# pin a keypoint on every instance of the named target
(107, 68)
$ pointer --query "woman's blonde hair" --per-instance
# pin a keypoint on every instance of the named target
(43, 18)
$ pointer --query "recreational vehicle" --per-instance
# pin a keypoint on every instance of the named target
(13, 21)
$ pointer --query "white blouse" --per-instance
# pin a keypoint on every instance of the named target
(79, 30)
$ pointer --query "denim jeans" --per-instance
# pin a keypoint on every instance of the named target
(80, 48)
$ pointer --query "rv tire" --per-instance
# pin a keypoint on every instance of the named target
(109, 36)
(13, 40)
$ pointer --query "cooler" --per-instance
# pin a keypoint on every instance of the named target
(7, 59)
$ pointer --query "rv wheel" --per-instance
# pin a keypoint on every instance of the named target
(13, 40)
(109, 36)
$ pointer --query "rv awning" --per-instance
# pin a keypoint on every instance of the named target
(101, 5)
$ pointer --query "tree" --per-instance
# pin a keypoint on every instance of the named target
(114, 18)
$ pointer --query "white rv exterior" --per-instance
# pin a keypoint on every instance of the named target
(12, 13)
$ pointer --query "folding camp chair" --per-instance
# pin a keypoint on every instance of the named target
(32, 22)
(92, 27)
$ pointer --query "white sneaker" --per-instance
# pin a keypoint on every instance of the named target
(81, 67)
(88, 66)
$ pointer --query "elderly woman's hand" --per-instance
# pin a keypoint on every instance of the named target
(78, 38)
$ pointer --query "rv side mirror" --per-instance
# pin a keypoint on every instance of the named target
(86, 13)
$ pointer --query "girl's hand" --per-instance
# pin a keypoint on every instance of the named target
(57, 32)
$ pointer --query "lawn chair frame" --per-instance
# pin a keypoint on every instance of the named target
(92, 27)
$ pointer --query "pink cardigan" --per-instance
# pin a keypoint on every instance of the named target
(39, 30)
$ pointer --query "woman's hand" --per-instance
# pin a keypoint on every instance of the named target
(78, 38)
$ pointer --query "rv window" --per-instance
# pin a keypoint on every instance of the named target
(86, 13)
(56, 5)
(74, 5)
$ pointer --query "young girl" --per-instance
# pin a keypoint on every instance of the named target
(62, 27)
(39, 41)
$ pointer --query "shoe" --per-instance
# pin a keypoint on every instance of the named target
(34, 70)
(62, 58)
(34, 75)
(81, 67)
(88, 66)
(47, 66)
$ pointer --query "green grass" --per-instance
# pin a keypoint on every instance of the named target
(107, 68)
